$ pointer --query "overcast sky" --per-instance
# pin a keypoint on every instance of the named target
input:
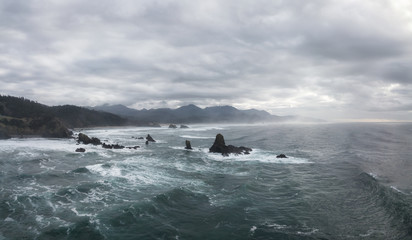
(329, 59)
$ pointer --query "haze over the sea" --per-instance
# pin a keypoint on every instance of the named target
(327, 59)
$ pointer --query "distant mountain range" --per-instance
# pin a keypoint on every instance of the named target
(193, 114)
(20, 117)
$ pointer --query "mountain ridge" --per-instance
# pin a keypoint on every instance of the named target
(192, 114)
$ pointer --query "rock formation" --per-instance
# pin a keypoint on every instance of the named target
(172, 126)
(4, 134)
(83, 138)
(80, 150)
(281, 156)
(219, 146)
(149, 138)
(112, 146)
(188, 145)
(183, 126)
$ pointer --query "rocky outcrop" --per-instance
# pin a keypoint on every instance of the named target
(80, 150)
(188, 145)
(219, 146)
(149, 138)
(172, 126)
(4, 134)
(183, 126)
(112, 146)
(281, 156)
(83, 138)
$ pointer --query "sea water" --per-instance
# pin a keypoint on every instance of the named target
(340, 181)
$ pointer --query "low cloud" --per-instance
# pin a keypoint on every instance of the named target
(322, 58)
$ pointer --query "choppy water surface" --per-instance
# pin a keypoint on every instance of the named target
(341, 181)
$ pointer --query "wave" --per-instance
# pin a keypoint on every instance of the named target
(279, 231)
(393, 201)
(196, 137)
(81, 170)
(158, 217)
(257, 155)
(82, 229)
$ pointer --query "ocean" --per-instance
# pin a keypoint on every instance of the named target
(340, 181)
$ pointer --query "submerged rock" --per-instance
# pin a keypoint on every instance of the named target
(281, 156)
(183, 126)
(135, 147)
(172, 126)
(149, 138)
(219, 146)
(188, 145)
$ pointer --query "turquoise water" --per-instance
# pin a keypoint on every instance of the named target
(341, 181)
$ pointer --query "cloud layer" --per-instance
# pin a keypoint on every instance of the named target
(321, 58)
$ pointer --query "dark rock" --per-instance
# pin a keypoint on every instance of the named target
(172, 126)
(188, 145)
(112, 146)
(117, 146)
(83, 138)
(107, 146)
(4, 134)
(81, 170)
(135, 147)
(147, 142)
(140, 138)
(183, 126)
(281, 156)
(80, 150)
(219, 146)
(149, 138)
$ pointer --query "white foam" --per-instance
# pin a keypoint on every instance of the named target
(196, 137)
(81, 214)
(277, 226)
(396, 189)
(9, 219)
(375, 176)
(113, 171)
(257, 155)
(30, 146)
(203, 128)
(309, 232)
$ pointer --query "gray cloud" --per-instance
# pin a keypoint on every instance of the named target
(321, 58)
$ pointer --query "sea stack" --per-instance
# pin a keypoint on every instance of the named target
(188, 145)
(149, 138)
(219, 146)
